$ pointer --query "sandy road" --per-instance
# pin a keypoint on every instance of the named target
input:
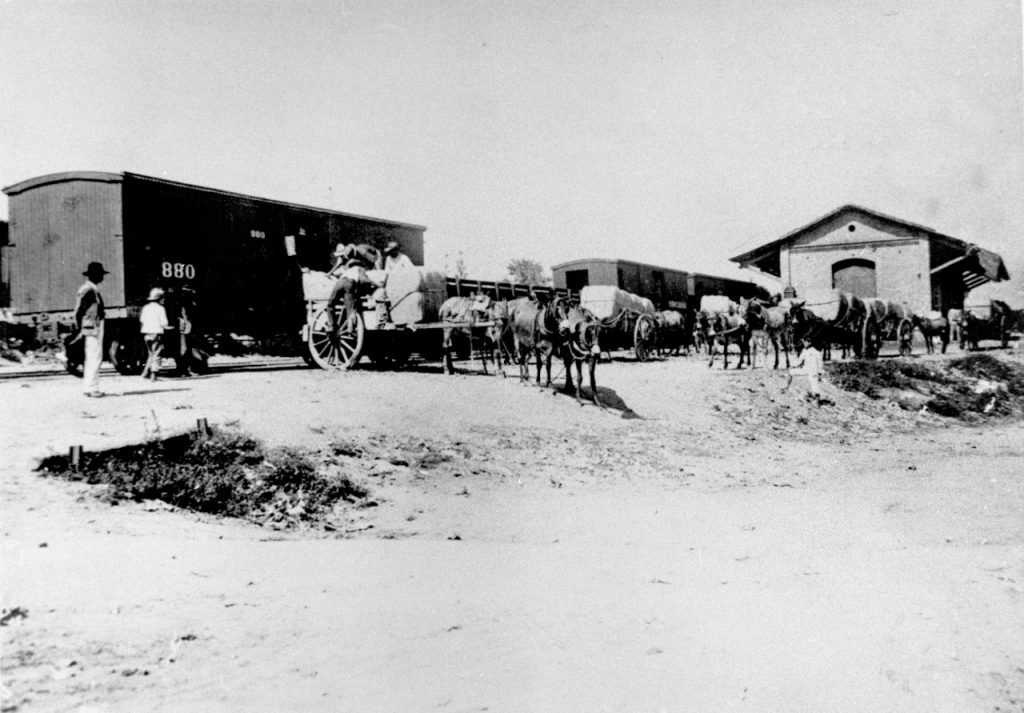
(724, 547)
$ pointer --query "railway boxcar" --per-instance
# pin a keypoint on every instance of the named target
(225, 248)
(667, 288)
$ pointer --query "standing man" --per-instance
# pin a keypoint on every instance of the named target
(394, 258)
(153, 322)
(89, 318)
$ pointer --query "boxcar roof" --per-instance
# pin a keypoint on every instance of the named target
(120, 177)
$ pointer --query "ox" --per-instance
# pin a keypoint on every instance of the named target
(535, 330)
(580, 332)
(768, 325)
(933, 327)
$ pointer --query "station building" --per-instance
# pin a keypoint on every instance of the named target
(869, 254)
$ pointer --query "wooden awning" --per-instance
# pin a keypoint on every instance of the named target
(975, 267)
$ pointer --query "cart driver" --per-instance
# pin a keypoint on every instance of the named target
(352, 280)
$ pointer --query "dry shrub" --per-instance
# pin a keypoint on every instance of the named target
(227, 473)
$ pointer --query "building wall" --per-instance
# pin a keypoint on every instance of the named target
(901, 258)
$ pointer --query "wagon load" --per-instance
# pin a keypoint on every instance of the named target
(607, 302)
(834, 305)
(317, 285)
(415, 294)
(646, 306)
(718, 304)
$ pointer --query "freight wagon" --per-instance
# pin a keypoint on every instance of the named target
(222, 251)
(667, 288)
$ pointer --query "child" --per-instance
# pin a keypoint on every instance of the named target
(153, 322)
(810, 364)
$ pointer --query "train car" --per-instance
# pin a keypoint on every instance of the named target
(223, 250)
(666, 287)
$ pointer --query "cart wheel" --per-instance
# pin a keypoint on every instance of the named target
(905, 337)
(74, 355)
(340, 349)
(126, 356)
(643, 337)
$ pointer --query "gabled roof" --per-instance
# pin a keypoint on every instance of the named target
(982, 265)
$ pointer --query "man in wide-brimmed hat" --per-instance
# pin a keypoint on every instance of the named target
(89, 319)
(394, 258)
(350, 266)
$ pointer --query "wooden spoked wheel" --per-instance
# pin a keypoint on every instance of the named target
(643, 337)
(340, 348)
(905, 336)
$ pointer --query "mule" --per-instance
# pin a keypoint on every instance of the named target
(725, 329)
(932, 327)
(671, 335)
(768, 325)
(468, 311)
(807, 325)
(580, 332)
(536, 333)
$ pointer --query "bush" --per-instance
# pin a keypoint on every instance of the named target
(227, 473)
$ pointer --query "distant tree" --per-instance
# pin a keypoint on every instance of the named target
(527, 272)
(460, 268)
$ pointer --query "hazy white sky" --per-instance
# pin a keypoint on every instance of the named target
(679, 133)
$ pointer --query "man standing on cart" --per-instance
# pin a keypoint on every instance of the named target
(350, 266)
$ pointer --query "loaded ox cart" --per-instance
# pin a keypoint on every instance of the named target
(627, 321)
(399, 314)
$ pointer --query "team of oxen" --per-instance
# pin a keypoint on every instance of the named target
(541, 329)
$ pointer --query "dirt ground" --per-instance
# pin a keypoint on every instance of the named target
(708, 543)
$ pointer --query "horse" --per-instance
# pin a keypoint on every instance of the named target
(934, 327)
(467, 311)
(767, 324)
(726, 328)
(535, 329)
(580, 332)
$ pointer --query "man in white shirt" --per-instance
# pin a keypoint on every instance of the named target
(152, 323)
(811, 364)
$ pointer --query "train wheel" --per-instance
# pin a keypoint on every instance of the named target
(127, 356)
(905, 337)
(389, 350)
(340, 348)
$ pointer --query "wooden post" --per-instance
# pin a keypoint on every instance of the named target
(203, 427)
(75, 457)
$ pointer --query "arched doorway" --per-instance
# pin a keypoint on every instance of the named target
(856, 276)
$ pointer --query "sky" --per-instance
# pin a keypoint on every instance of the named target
(679, 133)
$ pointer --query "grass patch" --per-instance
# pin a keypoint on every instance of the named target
(227, 473)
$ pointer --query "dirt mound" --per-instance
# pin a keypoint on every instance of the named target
(970, 388)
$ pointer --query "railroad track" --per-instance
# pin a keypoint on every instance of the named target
(242, 365)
